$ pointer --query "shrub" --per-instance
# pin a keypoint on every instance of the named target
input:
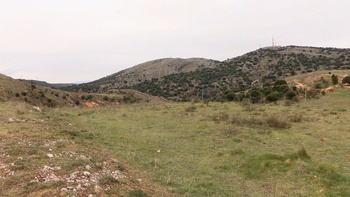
(311, 93)
(274, 96)
(290, 94)
(222, 116)
(335, 79)
(280, 82)
(296, 118)
(278, 123)
(346, 79)
(230, 96)
(191, 109)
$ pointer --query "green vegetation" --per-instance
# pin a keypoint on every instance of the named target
(184, 149)
(335, 79)
(346, 80)
(217, 81)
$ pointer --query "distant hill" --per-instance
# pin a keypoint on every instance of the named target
(186, 79)
(147, 71)
(52, 85)
(38, 95)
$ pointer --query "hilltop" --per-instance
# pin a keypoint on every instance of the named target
(186, 79)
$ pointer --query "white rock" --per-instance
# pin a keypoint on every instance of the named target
(37, 108)
(86, 173)
(97, 189)
(87, 167)
(64, 190)
(50, 155)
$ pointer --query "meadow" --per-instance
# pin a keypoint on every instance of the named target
(182, 149)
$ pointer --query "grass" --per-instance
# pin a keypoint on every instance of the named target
(195, 149)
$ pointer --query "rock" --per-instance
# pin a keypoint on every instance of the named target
(87, 167)
(139, 180)
(50, 155)
(64, 190)
(98, 189)
(37, 108)
(86, 173)
(10, 120)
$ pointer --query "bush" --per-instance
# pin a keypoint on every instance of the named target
(346, 79)
(278, 123)
(230, 96)
(296, 118)
(290, 94)
(274, 96)
(280, 82)
(105, 98)
(335, 79)
(191, 109)
(222, 116)
(311, 93)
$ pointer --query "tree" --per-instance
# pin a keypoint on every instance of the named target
(335, 79)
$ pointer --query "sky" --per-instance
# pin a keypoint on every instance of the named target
(65, 41)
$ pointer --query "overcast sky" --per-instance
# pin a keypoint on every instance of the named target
(84, 40)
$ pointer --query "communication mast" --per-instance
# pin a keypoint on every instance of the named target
(273, 42)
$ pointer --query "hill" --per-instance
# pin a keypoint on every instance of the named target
(179, 79)
(143, 72)
(18, 90)
(52, 85)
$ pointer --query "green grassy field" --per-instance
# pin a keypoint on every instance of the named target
(185, 149)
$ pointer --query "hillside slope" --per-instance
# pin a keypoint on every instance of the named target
(144, 72)
(23, 91)
(216, 78)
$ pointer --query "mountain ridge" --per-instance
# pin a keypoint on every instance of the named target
(185, 79)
